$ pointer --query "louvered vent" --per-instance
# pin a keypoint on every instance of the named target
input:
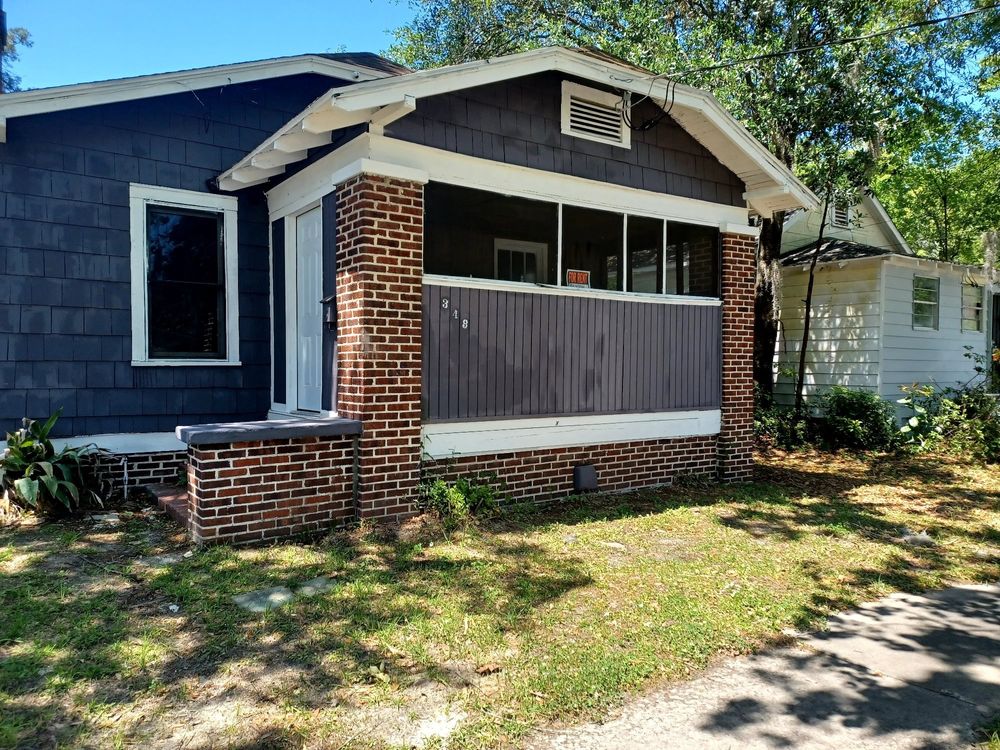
(594, 115)
(841, 215)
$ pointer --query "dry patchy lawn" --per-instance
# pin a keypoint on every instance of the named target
(538, 617)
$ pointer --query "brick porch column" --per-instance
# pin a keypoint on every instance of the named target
(379, 274)
(736, 437)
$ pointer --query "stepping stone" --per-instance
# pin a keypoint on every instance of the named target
(161, 561)
(316, 586)
(265, 599)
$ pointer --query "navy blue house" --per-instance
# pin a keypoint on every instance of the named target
(541, 252)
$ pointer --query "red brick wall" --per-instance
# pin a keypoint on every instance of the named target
(244, 493)
(379, 273)
(548, 473)
(736, 438)
(142, 468)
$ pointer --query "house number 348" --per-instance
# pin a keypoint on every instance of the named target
(445, 304)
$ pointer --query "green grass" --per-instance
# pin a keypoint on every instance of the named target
(564, 624)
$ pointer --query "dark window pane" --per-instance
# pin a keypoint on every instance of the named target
(185, 320)
(186, 283)
(645, 256)
(464, 230)
(184, 246)
(692, 260)
(592, 241)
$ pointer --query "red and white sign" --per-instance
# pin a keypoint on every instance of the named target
(580, 279)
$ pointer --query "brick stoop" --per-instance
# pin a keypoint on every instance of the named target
(173, 500)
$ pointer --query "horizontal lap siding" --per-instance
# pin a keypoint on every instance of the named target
(513, 354)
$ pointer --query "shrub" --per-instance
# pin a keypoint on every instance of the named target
(858, 420)
(36, 477)
(963, 421)
(455, 502)
(778, 424)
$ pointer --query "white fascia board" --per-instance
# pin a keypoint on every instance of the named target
(122, 443)
(443, 440)
(358, 103)
(915, 261)
(40, 101)
(883, 216)
(510, 179)
(389, 157)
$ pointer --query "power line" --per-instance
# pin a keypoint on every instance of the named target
(833, 43)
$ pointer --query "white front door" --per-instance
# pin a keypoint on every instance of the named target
(309, 313)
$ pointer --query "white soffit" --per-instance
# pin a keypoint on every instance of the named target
(770, 185)
(55, 98)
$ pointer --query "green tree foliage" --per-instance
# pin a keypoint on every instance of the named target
(17, 37)
(855, 100)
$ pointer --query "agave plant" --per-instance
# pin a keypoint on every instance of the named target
(37, 477)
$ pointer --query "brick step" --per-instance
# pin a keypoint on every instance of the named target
(173, 500)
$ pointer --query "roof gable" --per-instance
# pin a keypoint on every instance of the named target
(870, 227)
(770, 185)
(347, 66)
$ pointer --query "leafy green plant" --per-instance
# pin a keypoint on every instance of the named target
(857, 419)
(778, 425)
(962, 421)
(455, 502)
(36, 477)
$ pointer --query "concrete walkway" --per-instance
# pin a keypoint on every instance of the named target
(905, 672)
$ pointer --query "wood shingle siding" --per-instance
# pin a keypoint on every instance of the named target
(64, 257)
(513, 354)
(519, 122)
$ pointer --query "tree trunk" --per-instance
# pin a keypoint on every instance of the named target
(800, 379)
(765, 337)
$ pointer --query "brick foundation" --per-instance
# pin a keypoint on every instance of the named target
(245, 493)
(379, 295)
(547, 474)
(738, 278)
(141, 469)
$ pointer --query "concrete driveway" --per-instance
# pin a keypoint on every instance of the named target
(905, 672)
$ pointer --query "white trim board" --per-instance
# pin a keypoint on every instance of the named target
(40, 101)
(389, 157)
(770, 185)
(141, 196)
(444, 440)
(122, 442)
(567, 291)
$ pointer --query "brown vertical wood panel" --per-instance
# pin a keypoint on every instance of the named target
(527, 354)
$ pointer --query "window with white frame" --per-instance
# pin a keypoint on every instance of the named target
(595, 115)
(972, 308)
(926, 293)
(184, 277)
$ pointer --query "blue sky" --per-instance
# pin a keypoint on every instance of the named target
(89, 41)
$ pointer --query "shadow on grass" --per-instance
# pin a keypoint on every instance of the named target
(69, 626)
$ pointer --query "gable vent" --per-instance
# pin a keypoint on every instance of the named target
(594, 115)
(841, 215)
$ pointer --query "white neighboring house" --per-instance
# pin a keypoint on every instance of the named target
(881, 317)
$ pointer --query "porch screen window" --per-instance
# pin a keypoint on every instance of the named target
(925, 302)
(592, 241)
(972, 308)
(489, 236)
(692, 260)
(645, 254)
(183, 277)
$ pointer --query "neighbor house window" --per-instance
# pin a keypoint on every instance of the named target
(478, 234)
(184, 293)
(925, 302)
(972, 308)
